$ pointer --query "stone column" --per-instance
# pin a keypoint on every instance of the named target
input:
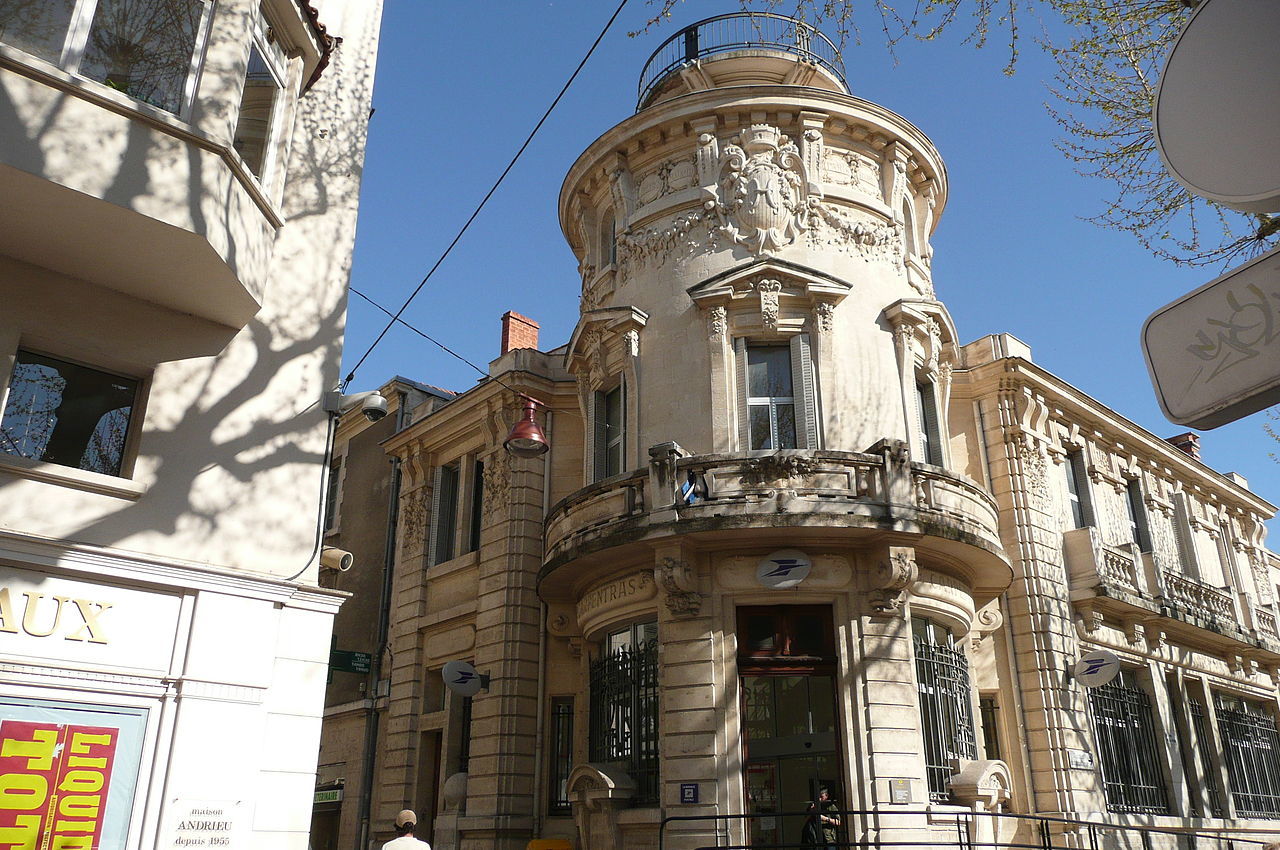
(691, 701)
(500, 802)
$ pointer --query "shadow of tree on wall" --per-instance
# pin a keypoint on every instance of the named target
(233, 443)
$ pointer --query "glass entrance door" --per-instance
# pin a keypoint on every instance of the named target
(787, 674)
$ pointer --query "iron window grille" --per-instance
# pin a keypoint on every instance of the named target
(1200, 724)
(1251, 749)
(1132, 772)
(624, 708)
(946, 710)
(561, 754)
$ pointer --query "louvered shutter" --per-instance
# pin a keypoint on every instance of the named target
(740, 377)
(804, 392)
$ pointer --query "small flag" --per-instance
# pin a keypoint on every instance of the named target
(689, 490)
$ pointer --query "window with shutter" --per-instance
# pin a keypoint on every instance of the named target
(444, 514)
(930, 435)
(1078, 490)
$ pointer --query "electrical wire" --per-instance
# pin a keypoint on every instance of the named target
(396, 317)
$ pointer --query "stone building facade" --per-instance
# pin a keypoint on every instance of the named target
(792, 532)
(180, 181)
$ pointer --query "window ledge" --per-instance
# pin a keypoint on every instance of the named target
(460, 562)
(66, 476)
(43, 71)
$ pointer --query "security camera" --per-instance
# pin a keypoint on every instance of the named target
(338, 560)
(371, 404)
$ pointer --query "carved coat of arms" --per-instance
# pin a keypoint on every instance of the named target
(763, 202)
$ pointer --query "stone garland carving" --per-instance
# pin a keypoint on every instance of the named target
(769, 291)
(846, 168)
(717, 321)
(496, 481)
(679, 586)
(1035, 471)
(774, 468)
(893, 579)
(828, 226)
(656, 243)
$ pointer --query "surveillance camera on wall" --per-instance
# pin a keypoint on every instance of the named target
(338, 560)
(371, 404)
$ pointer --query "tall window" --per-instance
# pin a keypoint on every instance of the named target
(1078, 490)
(444, 514)
(477, 506)
(609, 421)
(1132, 767)
(1251, 749)
(771, 404)
(67, 414)
(561, 754)
(263, 85)
(946, 711)
(1137, 510)
(930, 433)
(1209, 776)
(146, 49)
(624, 706)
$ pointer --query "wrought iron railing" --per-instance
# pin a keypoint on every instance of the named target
(624, 715)
(1200, 724)
(1131, 761)
(1251, 748)
(970, 830)
(738, 31)
(942, 677)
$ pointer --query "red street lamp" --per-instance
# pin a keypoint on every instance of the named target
(526, 438)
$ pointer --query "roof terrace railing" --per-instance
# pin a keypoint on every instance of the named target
(738, 31)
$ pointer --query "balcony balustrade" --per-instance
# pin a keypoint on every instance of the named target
(842, 493)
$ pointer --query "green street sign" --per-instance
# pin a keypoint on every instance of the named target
(345, 661)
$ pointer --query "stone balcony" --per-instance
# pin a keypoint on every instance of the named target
(1126, 583)
(793, 494)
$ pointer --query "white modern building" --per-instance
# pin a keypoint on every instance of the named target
(179, 183)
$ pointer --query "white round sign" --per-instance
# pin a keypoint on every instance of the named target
(461, 678)
(1097, 668)
(1217, 114)
(784, 568)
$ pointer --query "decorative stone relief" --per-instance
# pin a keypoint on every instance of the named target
(987, 620)
(414, 511)
(717, 321)
(774, 468)
(769, 291)
(631, 343)
(893, 578)
(679, 586)
(1035, 471)
(823, 315)
(829, 227)
(763, 201)
(847, 168)
(497, 481)
(671, 176)
(684, 235)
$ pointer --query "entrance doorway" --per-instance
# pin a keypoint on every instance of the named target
(787, 666)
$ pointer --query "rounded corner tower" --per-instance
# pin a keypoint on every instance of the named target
(765, 375)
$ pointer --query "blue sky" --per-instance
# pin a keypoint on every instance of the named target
(461, 83)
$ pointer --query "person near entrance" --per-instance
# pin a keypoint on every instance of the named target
(405, 823)
(823, 825)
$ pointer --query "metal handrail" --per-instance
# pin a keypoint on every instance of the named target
(738, 31)
(1095, 833)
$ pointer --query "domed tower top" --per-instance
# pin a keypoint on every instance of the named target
(744, 48)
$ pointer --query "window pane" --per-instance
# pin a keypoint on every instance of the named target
(761, 437)
(144, 48)
(257, 106)
(769, 371)
(36, 26)
(67, 414)
(786, 426)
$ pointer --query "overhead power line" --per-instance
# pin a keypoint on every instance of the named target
(396, 317)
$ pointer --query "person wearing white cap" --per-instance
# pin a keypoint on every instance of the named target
(405, 823)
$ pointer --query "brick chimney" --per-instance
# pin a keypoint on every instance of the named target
(518, 332)
(1188, 442)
